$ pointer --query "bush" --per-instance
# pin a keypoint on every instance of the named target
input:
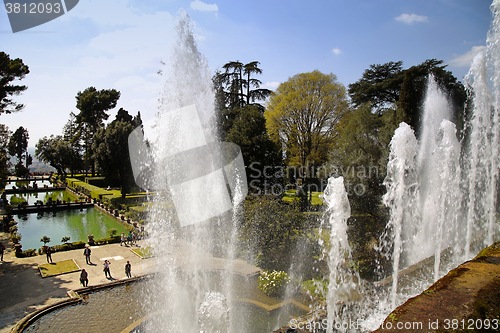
(108, 240)
(273, 283)
(15, 238)
(29, 253)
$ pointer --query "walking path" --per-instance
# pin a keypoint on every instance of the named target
(23, 290)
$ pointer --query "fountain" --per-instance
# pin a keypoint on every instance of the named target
(442, 194)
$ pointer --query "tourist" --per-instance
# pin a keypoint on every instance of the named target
(128, 269)
(122, 239)
(134, 238)
(84, 278)
(87, 253)
(106, 269)
(48, 252)
(2, 249)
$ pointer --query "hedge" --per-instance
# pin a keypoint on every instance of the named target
(90, 190)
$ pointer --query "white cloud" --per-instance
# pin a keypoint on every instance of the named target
(271, 85)
(336, 51)
(410, 18)
(204, 7)
(465, 59)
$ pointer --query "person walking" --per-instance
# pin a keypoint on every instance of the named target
(87, 253)
(122, 239)
(128, 269)
(106, 269)
(2, 249)
(84, 278)
(48, 252)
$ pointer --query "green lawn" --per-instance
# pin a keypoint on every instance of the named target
(143, 252)
(291, 197)
(57, 268)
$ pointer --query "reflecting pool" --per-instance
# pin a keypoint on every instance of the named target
(77, 224)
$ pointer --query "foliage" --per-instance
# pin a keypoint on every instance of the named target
(302, 114)
(4, 160)
(57, 152)
(271, 230)
(248, 131)
(273, 283)
(389, 87)
(233, 87)
(93, 105)
(15, 237)
(18, 147)
(10, 70)
(316, 288)
(65, 239)
(112, 155)
(45, 240)
(28, 253)
(112, 232)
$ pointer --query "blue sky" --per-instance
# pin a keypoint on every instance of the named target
(120, 43)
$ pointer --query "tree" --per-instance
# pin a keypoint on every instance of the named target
(271, 230)
(234, 89)
(93, 105)
(248, 131)
(65, 239)
(379, 85)
(390, 88)
(112, 154)
(4, 160)
(18, 147)
(10, 70)
(57, 152)
(45, 240)
(70, 135)
(302, 115)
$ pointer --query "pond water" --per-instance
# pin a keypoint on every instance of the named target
(117, 308)
(76, 224)
(40, 183)
(31, 198)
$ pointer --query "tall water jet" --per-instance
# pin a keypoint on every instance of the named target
(198, 183)
(483, 142)
(402, 186)
(343, 279)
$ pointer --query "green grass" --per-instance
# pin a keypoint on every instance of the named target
(291, 197)
(57, 268)
(143, 252)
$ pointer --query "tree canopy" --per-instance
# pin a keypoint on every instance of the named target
(302, 114)
(58, 153)
(10, 70)
(93, 105)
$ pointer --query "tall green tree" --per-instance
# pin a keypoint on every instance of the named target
(302, 115)
(390, 88)
(248, 131)
(18, 147)
(4, 160)
(10, 70)
(111, 151)
(93, 105)
(57, 152)
(235, 88)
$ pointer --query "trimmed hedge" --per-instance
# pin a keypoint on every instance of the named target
(64, 247)
(89, 190)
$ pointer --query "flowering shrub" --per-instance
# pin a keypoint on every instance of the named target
(273, 283)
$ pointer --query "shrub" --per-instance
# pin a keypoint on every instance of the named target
(108, 240)
(112, 232)
(29, 253)
(273, 283)
(15, 237)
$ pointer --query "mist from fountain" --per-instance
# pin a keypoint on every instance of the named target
(342, 289)
(192, 215)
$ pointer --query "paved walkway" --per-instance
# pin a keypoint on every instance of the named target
(23, 290)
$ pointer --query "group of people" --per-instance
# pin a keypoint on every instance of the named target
(107, 273)
(131, 238)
